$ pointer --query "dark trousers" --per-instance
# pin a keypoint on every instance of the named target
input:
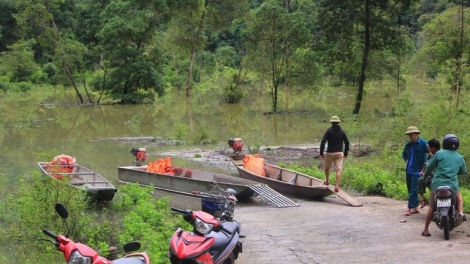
(422, 184)
(412, 185)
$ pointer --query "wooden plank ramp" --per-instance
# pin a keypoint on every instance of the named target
(345, 196)
(272, 196)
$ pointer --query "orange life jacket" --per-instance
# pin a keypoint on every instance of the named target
(163, 166)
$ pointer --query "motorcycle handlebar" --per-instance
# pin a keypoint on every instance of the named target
(180, 211)
(49, 233)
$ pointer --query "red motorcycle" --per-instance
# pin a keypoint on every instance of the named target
(78, 253)
(213, 240)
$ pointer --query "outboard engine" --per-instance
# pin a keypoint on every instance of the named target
(140, 155)
(236, 144)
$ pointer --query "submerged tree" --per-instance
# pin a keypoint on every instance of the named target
(127, 43)
(273, 30)
(191, 20)
(370, 25)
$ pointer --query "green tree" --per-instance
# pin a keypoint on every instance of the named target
(191, 20)
(129, 46)
(446, 46)
(8, 26)
(37, 21)
(18, 63)
(273, 29)
(370, 25)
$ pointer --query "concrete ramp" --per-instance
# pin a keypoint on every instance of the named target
(345, 196)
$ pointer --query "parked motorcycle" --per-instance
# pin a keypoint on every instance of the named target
(214, 239)
(78, 253)
(446, 211)
(221, 205)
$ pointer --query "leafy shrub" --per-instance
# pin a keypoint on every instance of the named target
(134, 215)
(24, 86)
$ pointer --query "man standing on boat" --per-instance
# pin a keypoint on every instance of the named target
(335, 137)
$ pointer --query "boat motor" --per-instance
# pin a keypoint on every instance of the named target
(140, 155)
(236, 144)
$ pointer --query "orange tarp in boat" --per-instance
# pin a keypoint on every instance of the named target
(254, 163)
(163, 166)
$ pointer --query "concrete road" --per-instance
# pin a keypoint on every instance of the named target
(330, 231)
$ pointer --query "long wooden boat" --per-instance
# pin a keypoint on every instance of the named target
(291, 182)
(185, 181)
(97, 186)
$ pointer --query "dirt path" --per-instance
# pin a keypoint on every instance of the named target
(331, 232)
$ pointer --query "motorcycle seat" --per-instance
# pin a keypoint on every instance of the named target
(443, 188)
(221, 240)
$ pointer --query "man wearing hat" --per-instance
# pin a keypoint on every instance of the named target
(415, 154)
(335, 137)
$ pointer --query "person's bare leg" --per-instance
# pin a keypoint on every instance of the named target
(338, 179)
(327, 176)
(460, 202)
(428, 221)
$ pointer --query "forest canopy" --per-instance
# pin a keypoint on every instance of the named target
(133, 52)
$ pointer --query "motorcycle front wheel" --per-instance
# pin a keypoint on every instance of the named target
(230, 259)
(445, 226)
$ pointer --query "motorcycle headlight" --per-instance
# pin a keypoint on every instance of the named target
(202, 227)
(77, 258)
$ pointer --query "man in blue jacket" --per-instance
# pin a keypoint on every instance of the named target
(415, 154)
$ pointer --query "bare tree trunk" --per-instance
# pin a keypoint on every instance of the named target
(103, 86)
(193, 51)
(459, 59)
(190, 73)
(286, 54)
(190, 115)
(365, 56)
(64, 64)
(86, 89)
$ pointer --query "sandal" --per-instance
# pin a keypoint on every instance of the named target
(414, 211)
(326, 183)
(336, 189)
(407, 212)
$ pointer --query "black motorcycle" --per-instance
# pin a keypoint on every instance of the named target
(446, 211)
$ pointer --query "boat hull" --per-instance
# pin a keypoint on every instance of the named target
(187, 181)
(98, 188)
(292, 183)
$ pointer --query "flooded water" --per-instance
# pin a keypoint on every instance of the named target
(36, 129)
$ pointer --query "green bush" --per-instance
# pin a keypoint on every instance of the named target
(27, 206)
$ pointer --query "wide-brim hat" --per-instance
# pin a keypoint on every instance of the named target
(411, 130)
(335, 119)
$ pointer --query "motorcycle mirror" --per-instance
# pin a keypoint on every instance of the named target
(132, 246)
(61, 210)
(231, 191)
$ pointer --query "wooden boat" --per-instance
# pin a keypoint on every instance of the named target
(185, 180)
(291, 183)
(97, 187)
